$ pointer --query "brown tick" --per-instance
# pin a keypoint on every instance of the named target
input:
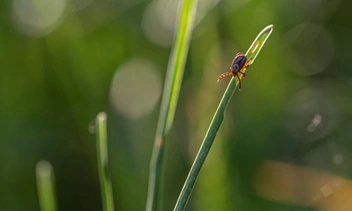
(238, 66)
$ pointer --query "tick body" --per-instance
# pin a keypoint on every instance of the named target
(238, 66)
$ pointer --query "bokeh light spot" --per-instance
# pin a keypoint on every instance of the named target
(316, 121)
(80, 4)
(36, 17)
(312, 115)
(298, 11)
(326, 190)
(337, 159)
(159, 19)
(135, 89)
(311, 49)
(232, 6)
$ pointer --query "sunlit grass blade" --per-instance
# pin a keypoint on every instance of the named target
(215, 124)
(259, 42)
(102, 152)
(46, 186)
(184, 28)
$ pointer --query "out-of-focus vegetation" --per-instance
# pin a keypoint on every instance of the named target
(285, 143)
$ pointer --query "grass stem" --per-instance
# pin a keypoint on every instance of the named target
(46, 186)
(102, 152)
(215, 124)
(175, 69)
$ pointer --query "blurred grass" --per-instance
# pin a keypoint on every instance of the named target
(46, 186)
(186, 191)
(51, 87)
(102, 153)
(184, 28)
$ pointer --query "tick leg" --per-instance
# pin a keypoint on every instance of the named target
(224, 75)
(245, 67)
(249, 62)
(243, 75)
(239, 82)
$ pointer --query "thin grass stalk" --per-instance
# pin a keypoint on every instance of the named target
(216, 122)
(46, 186)
(184, 28)
(102, 153)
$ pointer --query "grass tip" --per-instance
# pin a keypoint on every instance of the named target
(268, 28)
(44, 168)
(101, 116)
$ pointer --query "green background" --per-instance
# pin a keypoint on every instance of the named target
(295, 105)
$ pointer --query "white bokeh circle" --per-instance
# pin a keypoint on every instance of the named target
(135, 89)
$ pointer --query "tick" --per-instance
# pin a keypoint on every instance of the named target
(238, 66)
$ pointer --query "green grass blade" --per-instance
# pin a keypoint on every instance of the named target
(46, 186)
(172, 86)
(102, 152)
(215, 124)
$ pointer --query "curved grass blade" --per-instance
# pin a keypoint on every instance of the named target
(215, 124)
(172, 86)
(102, 153)
(46, 186)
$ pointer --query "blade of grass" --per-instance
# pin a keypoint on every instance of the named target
(46, 186)
(102, 152)
(184, 28)
(215, 124)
